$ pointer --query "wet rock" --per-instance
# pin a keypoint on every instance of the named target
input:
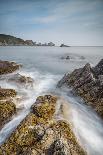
(7, 93)
(21, 80)
(7, 110)
(66, 57)
(44, 106)
(38, 135)
(87, 82)
(8, 67)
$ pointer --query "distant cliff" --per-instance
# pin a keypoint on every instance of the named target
(8, 40)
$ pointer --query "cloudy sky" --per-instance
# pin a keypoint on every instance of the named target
(73, 22)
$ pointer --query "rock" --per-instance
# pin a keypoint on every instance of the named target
(87, 82)
(38, 134)
(7, 110)
(8, 67)
(63, 45)
(44, 106)
(98, 69)
(7, 93)
(21, 80)
(7, 107)
(66, 57)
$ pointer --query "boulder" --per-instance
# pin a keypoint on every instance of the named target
(87, 82)
(8, 67)
(38, 134)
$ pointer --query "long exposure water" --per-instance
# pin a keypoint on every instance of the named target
(45, 66)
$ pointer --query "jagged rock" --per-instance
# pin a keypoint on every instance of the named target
(98, 69)
(38, 135)
(22, 80)
(88, 83)
(8, 67)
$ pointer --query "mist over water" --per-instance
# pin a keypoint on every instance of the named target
(45, 66)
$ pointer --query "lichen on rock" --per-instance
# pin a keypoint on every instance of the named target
(40, 133)
(7, 109)
(7, 93)
(87, 82)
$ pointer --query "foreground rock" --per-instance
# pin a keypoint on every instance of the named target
(88, 83)
(8, 67)
(7, 107)
(7, 110)
(40, 133)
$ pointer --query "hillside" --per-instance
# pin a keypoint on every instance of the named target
(8, 40)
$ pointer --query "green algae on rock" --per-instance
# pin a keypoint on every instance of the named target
(7, 109)
(40, 133)
(8, 67)
(45, 106)
(7, 93)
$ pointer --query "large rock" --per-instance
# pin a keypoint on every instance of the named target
(38, 134)
(8, 67)
(88, 83)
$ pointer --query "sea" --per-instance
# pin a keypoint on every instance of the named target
(47, 65)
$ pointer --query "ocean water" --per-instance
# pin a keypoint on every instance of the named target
(45, 66)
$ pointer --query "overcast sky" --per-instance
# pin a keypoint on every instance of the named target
(73, 22)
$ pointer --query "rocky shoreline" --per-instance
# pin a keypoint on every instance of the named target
(40, 132)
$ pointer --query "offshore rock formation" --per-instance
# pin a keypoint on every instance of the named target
(7, 110)
(8, 67)
(41, 133)
(63, 45)
(87, 82)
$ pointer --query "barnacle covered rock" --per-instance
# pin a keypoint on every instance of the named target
(40, 133)
(7, 109)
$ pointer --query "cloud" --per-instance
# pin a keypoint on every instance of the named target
(60, 19)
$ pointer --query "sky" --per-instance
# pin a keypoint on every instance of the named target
(72, 22)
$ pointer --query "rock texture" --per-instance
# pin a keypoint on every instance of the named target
(7, 93)
(7, 110)
(87, 82)
(7, 107)
(8, 67)
(41, 134)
